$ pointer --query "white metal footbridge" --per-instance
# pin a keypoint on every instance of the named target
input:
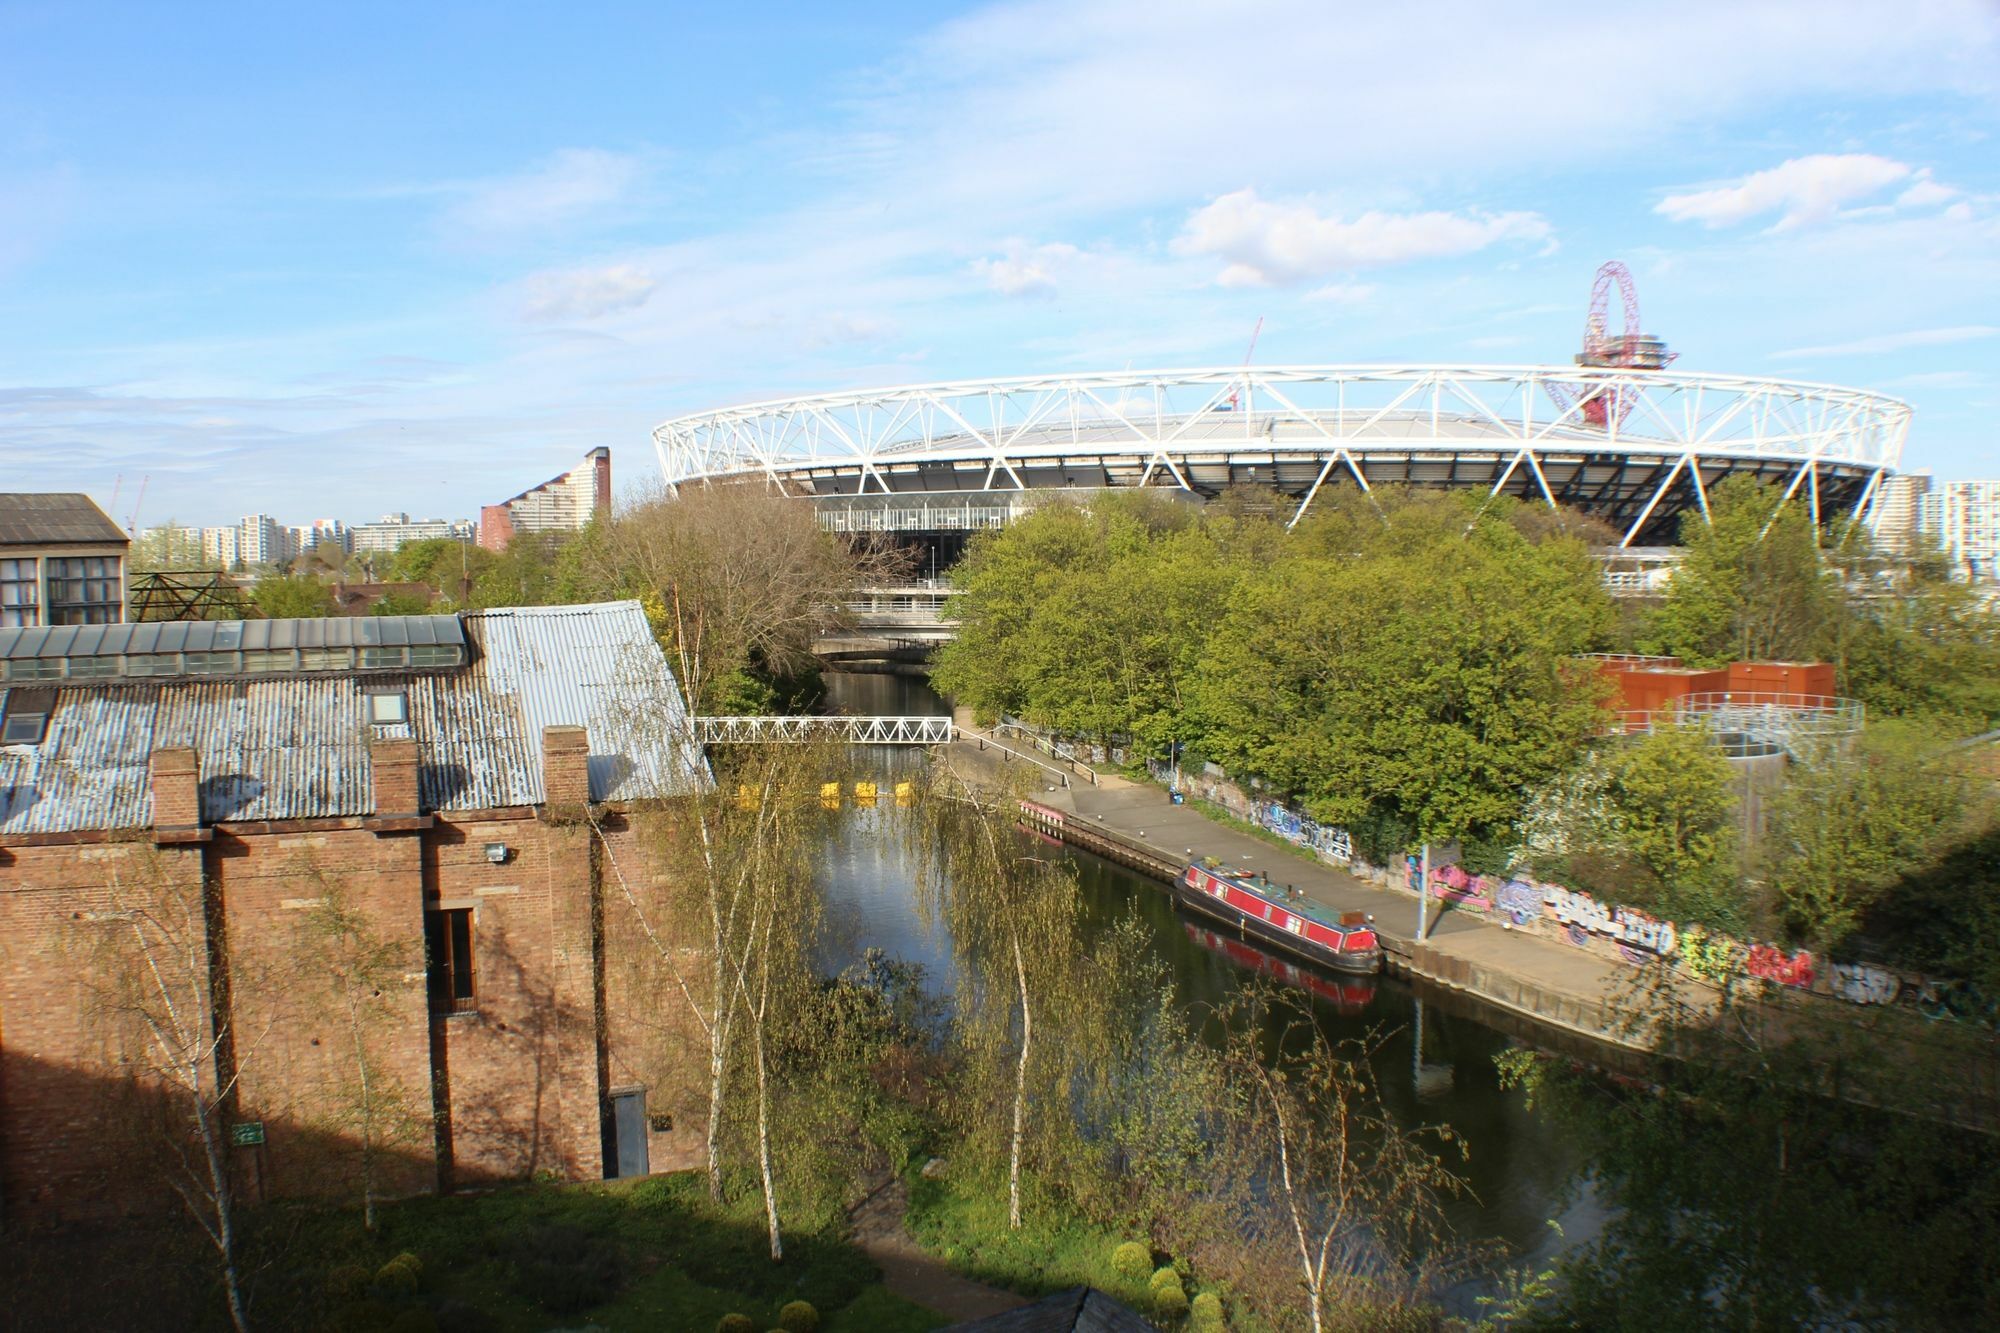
(794, 730)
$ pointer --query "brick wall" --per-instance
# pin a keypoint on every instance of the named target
(569, 998)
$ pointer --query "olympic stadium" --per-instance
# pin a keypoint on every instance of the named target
(1617, 434)
(970, 454)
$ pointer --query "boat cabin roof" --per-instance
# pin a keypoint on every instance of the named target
(1260, 882)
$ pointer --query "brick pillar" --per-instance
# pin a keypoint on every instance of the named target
(573, 917)
(176, 789)
(565, 771)
(394, 762)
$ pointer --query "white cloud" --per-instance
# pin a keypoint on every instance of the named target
(1925, 193)
(586, 293)
(1802, 191)
(1266, 242)
(1893, 342)
(1343, 293)
(1027, 271)
(568, 187)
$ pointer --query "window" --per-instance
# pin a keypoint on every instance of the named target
(84, 667)
(434, 655)
(448, 960)
(268, 661)
(388, 710)
(86, 590)
(20, 597)
(23, 728)
(211, 664)
(34, 668)
(325, 659)
(381, 657)
(153, 664)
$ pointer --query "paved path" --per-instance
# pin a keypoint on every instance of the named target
(910, 1273)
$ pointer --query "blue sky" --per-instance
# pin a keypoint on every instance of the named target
(333, 261)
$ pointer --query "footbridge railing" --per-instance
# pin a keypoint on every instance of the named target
(924, 730)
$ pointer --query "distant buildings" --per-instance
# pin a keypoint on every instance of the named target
(62, 562)
(560, 504)
(392, 530)
(1899, 512)
(1963, 518)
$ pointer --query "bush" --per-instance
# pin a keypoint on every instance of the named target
(735, 1323)
(396, 1278)
(346, 1282)
(798, 1317)
(1167, 1277)
(1132, 1260)
(1170, 1301)
(1207, 1311)
(565, 1269)
(410, 1261)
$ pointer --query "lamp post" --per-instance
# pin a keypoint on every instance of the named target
(1423, 893)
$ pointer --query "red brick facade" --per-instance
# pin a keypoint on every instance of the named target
(335, 1024)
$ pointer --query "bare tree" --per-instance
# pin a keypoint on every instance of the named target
(1320, 1168)
(1012, 915)
(358, 970)
(154, 973)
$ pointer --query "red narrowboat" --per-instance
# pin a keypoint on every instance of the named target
(1267, 912)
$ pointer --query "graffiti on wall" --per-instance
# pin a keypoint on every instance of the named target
(1861, 984)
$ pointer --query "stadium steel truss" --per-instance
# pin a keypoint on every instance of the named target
(1635, 447)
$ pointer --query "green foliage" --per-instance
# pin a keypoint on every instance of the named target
(397, 1278)
(292, 596)
(401, 604)
(736, 1323)
(798, 1317)
(1916, 643)
(1850, 824)
(1205, 1312)
(345, 1282)
(1170, 1302)
(1751, 586)
(1166, 1276)
(1707, 956)
(566, 1269)
(1131, 1259)
(166, 549)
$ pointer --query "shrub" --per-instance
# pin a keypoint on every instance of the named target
(396, 1278)
(565, 1269)
(410, 1261)
(798, 1317)
(1167, 1277)
(1170, 1301)
(1207, 1311)
(1132, 1260)
(346, 1282)
(735, 1323)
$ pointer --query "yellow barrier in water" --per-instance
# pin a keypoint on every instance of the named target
(864, 794)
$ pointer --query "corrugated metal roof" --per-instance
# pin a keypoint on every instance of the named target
(202, 636)
(55, 518)
(296, 747)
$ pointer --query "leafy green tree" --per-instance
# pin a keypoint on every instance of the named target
(1913, 642)
(1848, 825)
(1673, 803)
(168, 548)
(401, 604)
(1751, 586)
(1412, 662)
(292, 596)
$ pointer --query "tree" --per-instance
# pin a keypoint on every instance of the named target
(168, 548)
(1673, 803)
(1415, 663)
(1750, 586)
(350, 967)
(292, 596)
(149, 967)
(1913, 642)
(1850, 824)
(1354, 1196)
(735, 578)
(1012, 916)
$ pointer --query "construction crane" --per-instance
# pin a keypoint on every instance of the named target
(1604, 405)
(132, 519)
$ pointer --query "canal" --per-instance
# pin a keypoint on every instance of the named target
(1435, 1063)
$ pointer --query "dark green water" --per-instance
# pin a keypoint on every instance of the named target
(1521, 1173)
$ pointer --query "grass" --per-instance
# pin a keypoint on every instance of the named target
(964, 1223)
(649, 1254)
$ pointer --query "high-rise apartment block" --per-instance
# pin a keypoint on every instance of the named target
(560, 504)
(1899, 512)
(1963, 518)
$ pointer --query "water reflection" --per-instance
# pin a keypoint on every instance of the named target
(1435, 1064)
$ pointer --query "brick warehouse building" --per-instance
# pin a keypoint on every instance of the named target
(454, 785)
